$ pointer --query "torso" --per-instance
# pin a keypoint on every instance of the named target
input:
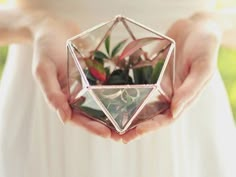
(156, 14)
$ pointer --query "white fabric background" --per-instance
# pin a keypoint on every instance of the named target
(34, 143)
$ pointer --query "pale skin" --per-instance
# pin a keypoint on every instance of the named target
(48, 34)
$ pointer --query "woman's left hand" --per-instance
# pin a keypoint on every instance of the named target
(197, 43)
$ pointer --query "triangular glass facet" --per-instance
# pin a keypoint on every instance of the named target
(86, 105)
(75, 82)
(121, 103)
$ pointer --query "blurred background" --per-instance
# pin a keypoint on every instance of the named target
(226, 61)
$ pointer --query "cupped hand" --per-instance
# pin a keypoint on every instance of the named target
(49, 68)
(197, 44)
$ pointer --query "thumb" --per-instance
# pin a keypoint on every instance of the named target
(197, 78)
(46, 75)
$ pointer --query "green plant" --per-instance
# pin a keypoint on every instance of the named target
(132, 58)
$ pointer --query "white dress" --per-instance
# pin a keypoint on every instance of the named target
(33, 143)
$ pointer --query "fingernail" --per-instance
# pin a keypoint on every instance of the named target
(60, 115)
(103, 134)
(118, 140)
(140, 131)
(144, 127)
(124, 141)
(66, 109)
(65, 112)
(177, 111)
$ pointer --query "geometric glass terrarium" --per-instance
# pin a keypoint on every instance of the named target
(120, 73)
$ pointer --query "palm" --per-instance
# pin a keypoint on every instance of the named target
(197, 47)
(50, 61)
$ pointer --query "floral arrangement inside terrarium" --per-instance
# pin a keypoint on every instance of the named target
(120, 73)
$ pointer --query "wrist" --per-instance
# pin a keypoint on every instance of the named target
(17, 25)
(36, 21)
(45, 24)
(209, 23)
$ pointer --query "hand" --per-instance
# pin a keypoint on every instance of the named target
(197, 42)
(49, 68)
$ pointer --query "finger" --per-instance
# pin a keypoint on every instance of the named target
(158, 121)
(115, 136)
(91, 125)
(130, 136)
(198, 76)
(147, 127)
(46, 75)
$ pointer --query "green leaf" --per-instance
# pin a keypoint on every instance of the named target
(118, 47)
(78, 106)
(143, 75)
(92, 80)
(136, 45)
(119, 77)
(156, 71)
(96, 69)
(137, 75)
(99, 60)
(147, 74)
(116, 80)
(107, 44)
(93, 112)
(107, 69)
(100, 55)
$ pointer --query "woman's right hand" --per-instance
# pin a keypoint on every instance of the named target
(49, 68)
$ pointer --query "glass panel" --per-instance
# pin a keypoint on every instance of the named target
(74, 77)
(121, 62)
(168, 77)
(122, 103)
(87, 106)
(157, 104)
